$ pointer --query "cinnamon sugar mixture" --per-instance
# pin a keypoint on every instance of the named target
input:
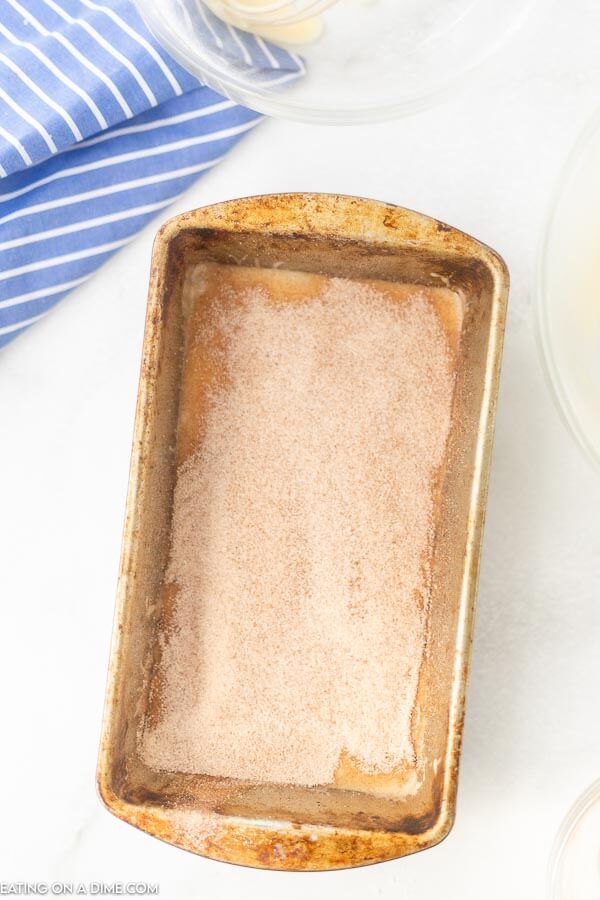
(314, 419)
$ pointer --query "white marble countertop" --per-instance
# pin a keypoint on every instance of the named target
(486, 162)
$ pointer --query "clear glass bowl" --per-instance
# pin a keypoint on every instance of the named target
(574, 871)
(375, 59)
(568, 293)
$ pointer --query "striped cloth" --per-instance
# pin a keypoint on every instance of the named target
(99, 130)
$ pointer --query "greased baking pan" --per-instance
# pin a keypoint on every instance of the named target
(287, 826)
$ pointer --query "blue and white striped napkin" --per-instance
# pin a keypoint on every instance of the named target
(99, 130)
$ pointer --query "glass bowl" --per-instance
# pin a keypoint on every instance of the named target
(568, 293)
(374, 60)
(574, 872)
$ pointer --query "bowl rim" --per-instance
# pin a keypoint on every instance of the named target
(584, 802)
(330, 115)
(551, 369)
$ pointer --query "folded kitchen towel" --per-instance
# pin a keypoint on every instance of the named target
(100, 129)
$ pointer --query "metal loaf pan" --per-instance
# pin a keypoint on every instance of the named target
(269, 825)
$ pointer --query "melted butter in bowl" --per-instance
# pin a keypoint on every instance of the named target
(281, 23)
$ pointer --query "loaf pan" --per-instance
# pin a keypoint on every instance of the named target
(285, 826)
